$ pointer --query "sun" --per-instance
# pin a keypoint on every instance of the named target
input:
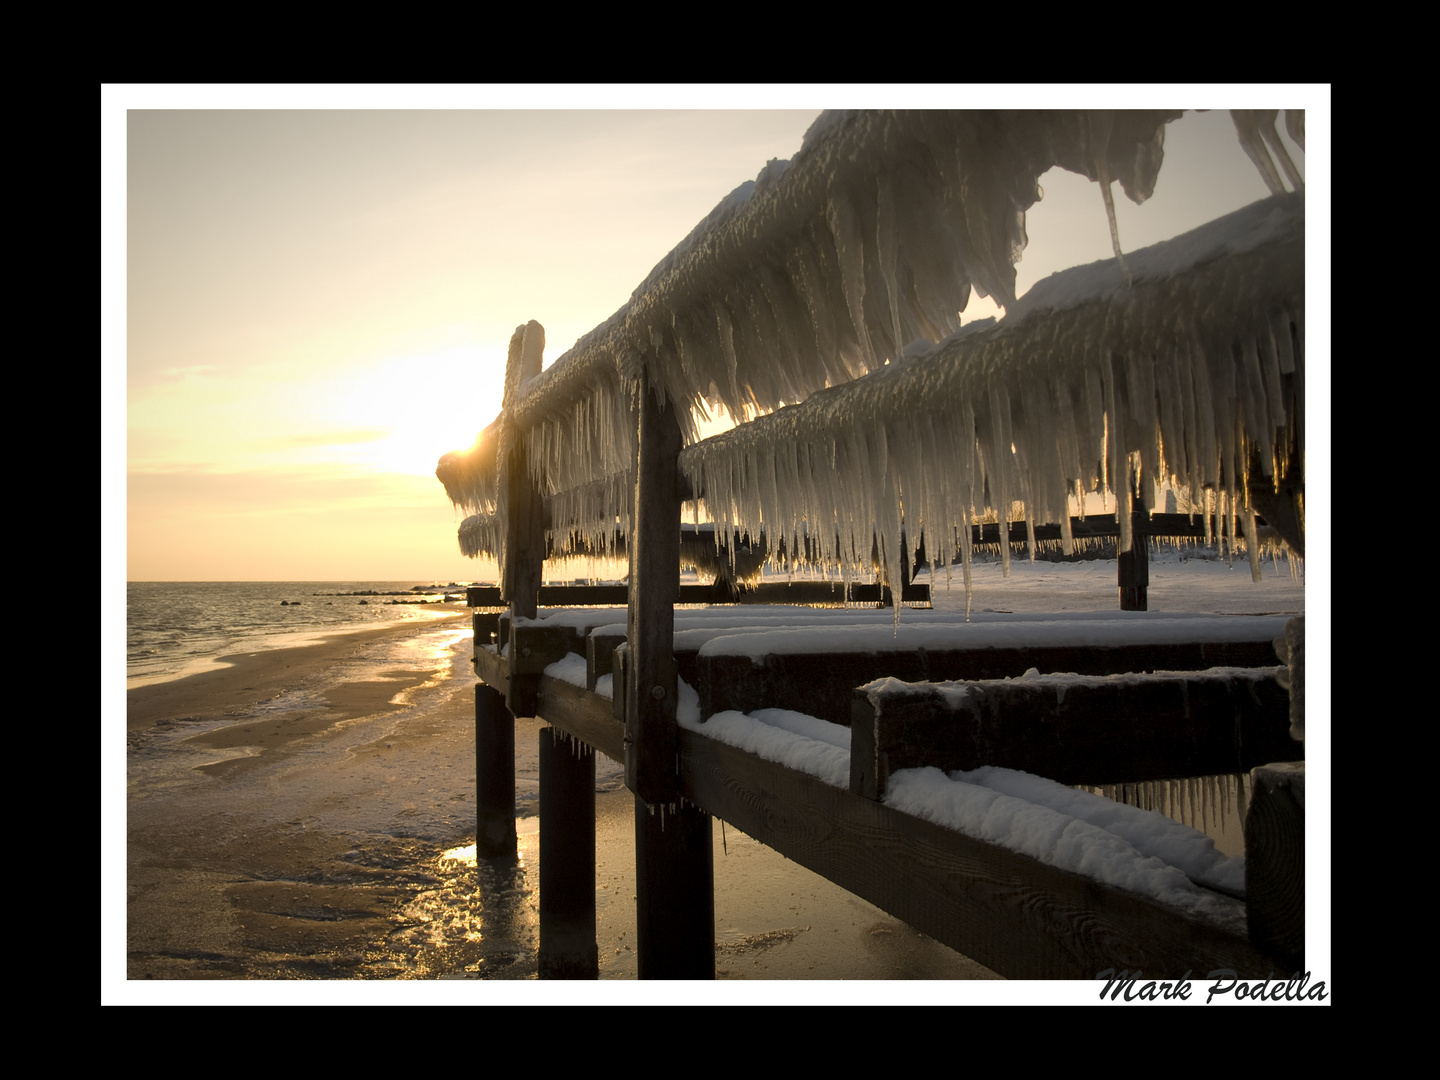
(417, 407)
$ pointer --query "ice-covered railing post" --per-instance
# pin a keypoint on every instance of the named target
(674, 872)
(1133, 565)
(567, 768)
(520, 563)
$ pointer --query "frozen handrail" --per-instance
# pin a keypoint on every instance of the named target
(825, 268)
(1083, 373)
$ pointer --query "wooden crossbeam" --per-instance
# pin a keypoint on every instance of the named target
(1093, 731)
(1014, 914)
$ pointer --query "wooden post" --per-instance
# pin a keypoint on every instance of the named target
(524, 555)
(1275, 861)
(675, 883)
(520, 585)
(567, 858)
(494, 775)
(1134, 568)
(650, 769)
(673, 864)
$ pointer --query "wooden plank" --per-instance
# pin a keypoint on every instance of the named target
(1156, 727)
(1014, 914)
(573, 635)
(1099, 527)
(492, 669)
(483, 596)
(583, 715)
(821, 684)
(600, 656)
(537, 646)
(486, 626)
(1096, 527)
(583, 595)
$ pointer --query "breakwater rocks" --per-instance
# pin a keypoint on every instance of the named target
(453, 593)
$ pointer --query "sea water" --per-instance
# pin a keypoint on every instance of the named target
(179, 628)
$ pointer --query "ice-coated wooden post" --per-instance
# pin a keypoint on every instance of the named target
(494, 775)
(567, 858)
(1135, 571)
(1134, 565)
(654, 589)
(520, 586)
(673, 863)
(524, 555)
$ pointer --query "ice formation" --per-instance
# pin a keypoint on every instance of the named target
(1183, 373)
(855, 259)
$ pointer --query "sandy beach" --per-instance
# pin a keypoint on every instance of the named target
(303, 814)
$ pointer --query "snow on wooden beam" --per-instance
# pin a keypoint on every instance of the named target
(1074, 729)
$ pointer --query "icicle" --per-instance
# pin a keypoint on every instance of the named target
(850, 249)
(1247, 126)
(886, 242)
(1295, 126)
(1099, 122)
(1252, 543)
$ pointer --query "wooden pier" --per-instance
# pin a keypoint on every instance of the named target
(1174, 716)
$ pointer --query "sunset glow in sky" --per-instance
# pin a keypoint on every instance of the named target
(303, 308)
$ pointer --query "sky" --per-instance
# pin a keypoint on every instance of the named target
(307, 293)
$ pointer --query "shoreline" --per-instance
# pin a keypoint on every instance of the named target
(281, 813)
(287, 821)
(259, 675)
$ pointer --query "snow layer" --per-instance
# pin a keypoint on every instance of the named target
(571, 668)
(1138, 850)
(1053, 836)
(820, 759)
(1151, 834)
(1146, 629)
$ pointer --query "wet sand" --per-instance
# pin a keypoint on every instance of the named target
(289, 817)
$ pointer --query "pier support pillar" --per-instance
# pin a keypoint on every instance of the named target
(1135, 576)
(567, 858)
(675, 886)
(1134, 565)
(494, 775)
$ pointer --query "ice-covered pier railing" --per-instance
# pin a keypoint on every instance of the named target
(1186, 369)
(1187, 358)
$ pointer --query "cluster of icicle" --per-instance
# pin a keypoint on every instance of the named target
(821, 270)
(470, 476)
(1202, 802)
(1183, 373)
(826, 268)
